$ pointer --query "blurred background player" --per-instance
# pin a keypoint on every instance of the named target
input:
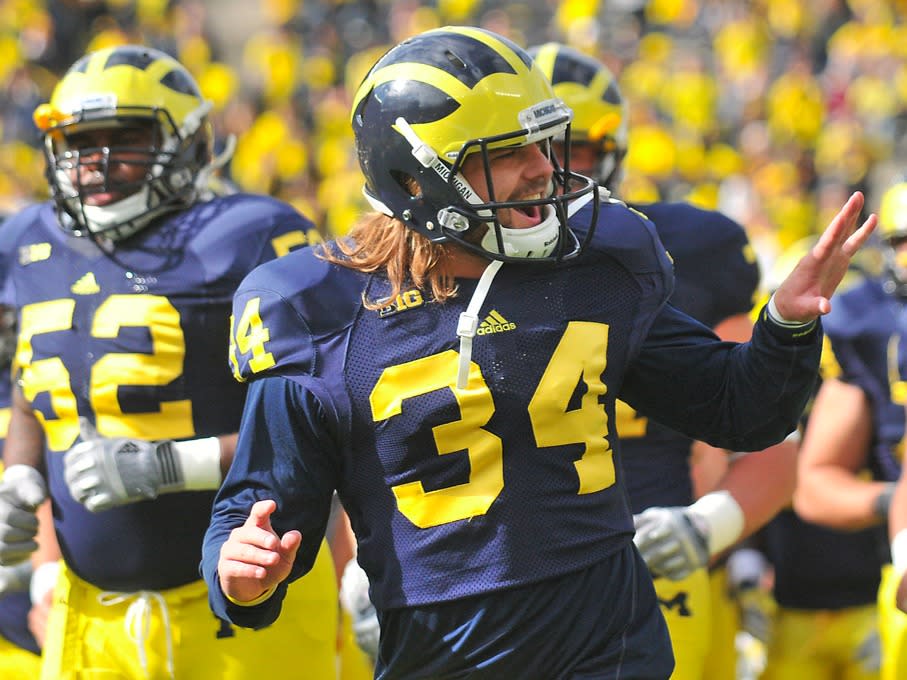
(854, 442)
(716, 282)
(123, 284)
(809, 592)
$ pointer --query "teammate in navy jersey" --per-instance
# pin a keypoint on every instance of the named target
(481, 471)
(19, 651)
(123, 284)
(716, 282)
(858, 421)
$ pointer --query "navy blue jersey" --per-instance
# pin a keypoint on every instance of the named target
(716, 277)
(867, 329)
(14, 607)
(135, 342)
(515, 479)
(820, 568)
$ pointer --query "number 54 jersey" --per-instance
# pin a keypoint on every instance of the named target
(511, 480)
(134, 340)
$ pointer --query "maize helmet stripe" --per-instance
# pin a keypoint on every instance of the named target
(497, 67)
(590, 89)
(138, 77)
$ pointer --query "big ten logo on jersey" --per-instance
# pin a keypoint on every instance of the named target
(409, 299)
(35, 252)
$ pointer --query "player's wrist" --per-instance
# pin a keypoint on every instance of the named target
(189, 465)
(43, 580)
(775, 316)
(266, 595)
(723, 516)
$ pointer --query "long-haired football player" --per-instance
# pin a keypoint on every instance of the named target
(451, 368)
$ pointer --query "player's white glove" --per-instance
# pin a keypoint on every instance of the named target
(15, 578)
(670, 542)
(103, 473)
(676, 541)
(354, 598)
(22, 490)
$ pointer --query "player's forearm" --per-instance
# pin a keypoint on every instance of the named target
(837, 498)
(25, 438)
(762, 483)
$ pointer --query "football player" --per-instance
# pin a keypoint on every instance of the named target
(716, 282)
(124, 413)
(857, 421)
(459, 390)
(810, 599)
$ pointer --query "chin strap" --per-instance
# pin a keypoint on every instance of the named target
(469, 321)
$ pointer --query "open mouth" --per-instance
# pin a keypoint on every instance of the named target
(532, 213)
(100, 198)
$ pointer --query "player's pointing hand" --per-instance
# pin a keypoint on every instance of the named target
(254, 560)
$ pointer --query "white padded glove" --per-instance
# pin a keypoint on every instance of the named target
(670, 542)
(103, 473)
(22, 490)
(354, 598)
(676, 541)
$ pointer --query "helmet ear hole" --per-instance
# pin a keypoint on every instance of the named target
(408, 183)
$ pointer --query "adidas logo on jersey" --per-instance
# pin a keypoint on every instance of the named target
(494, 323)
(87, 285)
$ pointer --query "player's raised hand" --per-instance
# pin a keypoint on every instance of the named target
(804, 295)
(254, 559)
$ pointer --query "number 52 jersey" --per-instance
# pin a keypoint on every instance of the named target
(134, 340)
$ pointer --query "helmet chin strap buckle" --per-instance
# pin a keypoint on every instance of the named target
(468, 322)
(452, 220)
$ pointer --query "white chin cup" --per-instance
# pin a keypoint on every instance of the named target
(532, 242)
(132, 208)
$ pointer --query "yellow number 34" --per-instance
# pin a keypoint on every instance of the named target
(580, 355)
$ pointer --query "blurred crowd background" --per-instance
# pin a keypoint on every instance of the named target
(772, 111)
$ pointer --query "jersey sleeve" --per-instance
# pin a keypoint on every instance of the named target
(285, 438)
(265, 332)
(741, 397)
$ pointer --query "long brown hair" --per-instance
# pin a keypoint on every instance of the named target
(381, 243)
